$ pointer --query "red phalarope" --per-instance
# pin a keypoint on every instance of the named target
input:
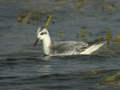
(65, 48)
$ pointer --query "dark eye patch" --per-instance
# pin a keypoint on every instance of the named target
(43, 33)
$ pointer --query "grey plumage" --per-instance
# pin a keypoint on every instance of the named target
(63, 48)
(67, 47)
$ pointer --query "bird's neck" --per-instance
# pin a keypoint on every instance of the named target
(46, 45)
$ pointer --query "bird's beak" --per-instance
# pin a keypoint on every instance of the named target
(36, 41)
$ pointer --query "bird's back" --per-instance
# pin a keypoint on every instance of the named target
(67, 47)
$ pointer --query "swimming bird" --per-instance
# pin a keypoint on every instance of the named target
(65, 48)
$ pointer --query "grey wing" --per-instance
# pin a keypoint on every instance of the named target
(66, 47)
(79, 48)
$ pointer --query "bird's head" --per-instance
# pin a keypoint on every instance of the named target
(42, 33)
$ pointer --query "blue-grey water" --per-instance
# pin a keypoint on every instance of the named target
(24, 67)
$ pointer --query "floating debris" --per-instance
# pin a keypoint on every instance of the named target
(103, 8)
(83, 34)
(29, 16)
(78, 35)
(117, 39)
(61, 35)
(96, 72)
(105, 78)
(30, 1)
(81, 3)
(108, 36)
(19, 19)
(108, 1)
(26, 20)
(111, 81)
(48, 20)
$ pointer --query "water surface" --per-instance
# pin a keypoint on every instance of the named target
(24, 67)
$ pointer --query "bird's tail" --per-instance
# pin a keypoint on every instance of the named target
(97, 41)
(93, 46)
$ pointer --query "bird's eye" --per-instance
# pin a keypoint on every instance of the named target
(43, 33)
